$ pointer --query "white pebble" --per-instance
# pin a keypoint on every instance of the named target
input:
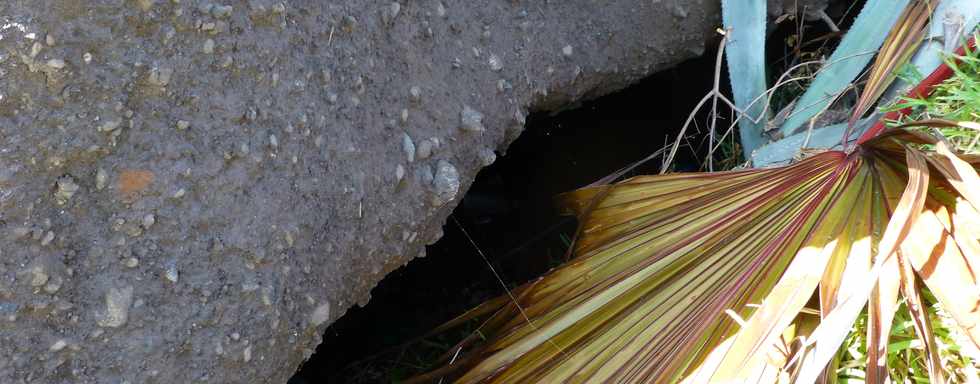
(399, 172)
(148, 220)
(209, 46)
(117, 302)
(446, 183)
(38, 276)
(101, 179)
(48, 238)
(495, 63)
(409, 147)
(487, 156)
(567, 50)
(471, 120)
(58, 345)
(36, 49)
(66, 189)
(424, 149)
(321, 314)
(171, 272)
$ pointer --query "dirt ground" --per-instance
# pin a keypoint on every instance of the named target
(192, 191)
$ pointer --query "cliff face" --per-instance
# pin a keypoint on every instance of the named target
(192, 191)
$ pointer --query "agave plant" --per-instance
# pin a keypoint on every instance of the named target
(753, 275)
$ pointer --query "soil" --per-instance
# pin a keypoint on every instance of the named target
(193, 191)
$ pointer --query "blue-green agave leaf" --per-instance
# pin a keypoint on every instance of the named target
(855, 51)
(745, 50)
(783, 151)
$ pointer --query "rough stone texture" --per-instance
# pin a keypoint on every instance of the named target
(192, 191)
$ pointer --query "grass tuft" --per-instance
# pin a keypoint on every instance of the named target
(957, 99)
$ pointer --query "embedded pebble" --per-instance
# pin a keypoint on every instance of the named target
(266, 296)
(58, 345)
(503, 85)
(56, 63)
(53, 285)
(679, 11)
(273, 141)
(471, 120)
(424, 149)
(390, 12)
(321, 314)
(348, 23)
(131, 262)
(416, 93)
(445, 182)
(495, 63)
(161, 76)
(208, 46)
(221, 11)
(183, 124)
(47, 239)
(109, 126)
(441, 10)
(567, 50)
(36, 49)
(409, 147)
(520, 119)
(49, 39)
(39, 276)
(66, 188)
(101, 179)
(399, 173)
(170, 271)
(247, 354)
(117, 302)
(87, 57)
(180, 193)
(148, 220)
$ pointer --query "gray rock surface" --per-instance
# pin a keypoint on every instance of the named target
(190, 191)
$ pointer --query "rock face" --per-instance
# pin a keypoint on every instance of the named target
(191, 191)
